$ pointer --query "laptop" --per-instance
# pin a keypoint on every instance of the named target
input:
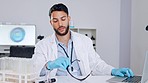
(135, 79)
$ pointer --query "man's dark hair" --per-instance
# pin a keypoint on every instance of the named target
(58, 7)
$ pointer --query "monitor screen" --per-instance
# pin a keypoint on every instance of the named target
(13, 34)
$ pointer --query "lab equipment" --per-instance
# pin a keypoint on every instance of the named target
(17, 34)
(52, 80)
(135, 78)
(122, 72)
(17, 70)
(71, 24)
(61, 62)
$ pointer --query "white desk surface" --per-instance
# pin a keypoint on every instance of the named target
(91, 79)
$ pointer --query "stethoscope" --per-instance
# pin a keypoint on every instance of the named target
(66, 52)
(80, 79)
(71, 54)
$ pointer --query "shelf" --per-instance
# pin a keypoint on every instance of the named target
(90, 32)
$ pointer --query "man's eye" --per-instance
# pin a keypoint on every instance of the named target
(63, 19)
(55, 21)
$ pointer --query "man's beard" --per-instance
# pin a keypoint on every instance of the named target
(62, 34)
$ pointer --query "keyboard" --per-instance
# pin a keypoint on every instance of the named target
(134, 79)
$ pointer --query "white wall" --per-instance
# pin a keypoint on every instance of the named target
(101, 14)
(125, 33)
(139, 37)
(26, 11)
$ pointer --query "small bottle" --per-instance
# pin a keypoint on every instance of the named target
(71, 24)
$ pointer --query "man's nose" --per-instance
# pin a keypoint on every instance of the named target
(60, 23)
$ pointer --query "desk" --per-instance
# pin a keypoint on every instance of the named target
(91, 79)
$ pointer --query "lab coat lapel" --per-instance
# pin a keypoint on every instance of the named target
(81, 64)
(84, 65)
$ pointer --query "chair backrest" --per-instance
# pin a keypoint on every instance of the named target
(21, 51)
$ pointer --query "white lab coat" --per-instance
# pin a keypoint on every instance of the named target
(46, 50)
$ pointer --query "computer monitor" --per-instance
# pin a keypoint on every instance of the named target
(17, 34)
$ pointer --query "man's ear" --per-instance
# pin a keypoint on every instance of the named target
(69, 18)
(50, 22)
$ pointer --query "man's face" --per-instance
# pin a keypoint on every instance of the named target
(60, 22)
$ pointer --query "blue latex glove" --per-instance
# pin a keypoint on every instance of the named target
(61, 62)
(122, 72)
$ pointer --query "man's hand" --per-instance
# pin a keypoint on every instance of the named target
(61, 62)
(122, 72)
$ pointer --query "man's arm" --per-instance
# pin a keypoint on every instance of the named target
(38, 60)
(101, 67)
(97, 65)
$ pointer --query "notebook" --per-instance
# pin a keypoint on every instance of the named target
(135, 79)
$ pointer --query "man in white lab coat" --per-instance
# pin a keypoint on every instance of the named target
(67, 52)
